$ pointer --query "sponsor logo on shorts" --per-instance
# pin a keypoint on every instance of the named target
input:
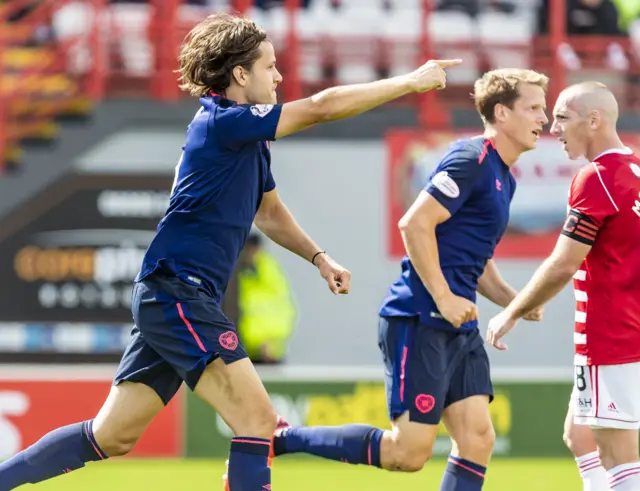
(228, 340)
(425, 403)
(447, 186)
(195, 280)
(612, 407)
(583, 402)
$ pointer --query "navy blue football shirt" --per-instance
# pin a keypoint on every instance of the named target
(219, 182)
(476, 186)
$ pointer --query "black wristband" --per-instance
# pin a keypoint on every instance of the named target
(316, 255)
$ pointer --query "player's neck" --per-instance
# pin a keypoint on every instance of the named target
(235, 93)
(601, 144)
(508, 151)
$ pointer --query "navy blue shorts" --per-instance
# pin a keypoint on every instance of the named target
(179, 329)
(427, 370)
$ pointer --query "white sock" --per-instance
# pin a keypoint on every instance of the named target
(594, 477)
(625, 477)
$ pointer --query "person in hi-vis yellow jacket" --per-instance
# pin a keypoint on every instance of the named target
(267, 313)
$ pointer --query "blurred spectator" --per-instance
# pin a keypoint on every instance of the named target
(629, 11)
(199, 3)
(584, 17)
(42, 32)
(267, 4)
(588, 18)
(266, 314)
(475, 7)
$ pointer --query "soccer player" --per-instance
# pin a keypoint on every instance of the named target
(223, 183)
(598, 247)
(435, 363)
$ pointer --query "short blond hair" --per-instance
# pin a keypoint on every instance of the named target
(501, 87)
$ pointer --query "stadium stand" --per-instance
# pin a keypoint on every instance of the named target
(59, 57)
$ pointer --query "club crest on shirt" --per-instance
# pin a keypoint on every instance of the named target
(261, 110)
(447, 186)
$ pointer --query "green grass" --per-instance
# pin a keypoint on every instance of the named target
(308, 475)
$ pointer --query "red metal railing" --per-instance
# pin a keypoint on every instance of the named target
(166, 26)
(25, 87)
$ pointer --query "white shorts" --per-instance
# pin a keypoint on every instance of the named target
(607, 396)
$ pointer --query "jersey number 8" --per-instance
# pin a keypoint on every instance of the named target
(581, 381)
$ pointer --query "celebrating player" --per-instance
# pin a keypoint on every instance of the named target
(222, 183)
(598, 247)
(435, 363)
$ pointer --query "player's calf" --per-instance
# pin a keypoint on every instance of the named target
(407, 448)
(580, 440)
(352, 444)
(58, 452)
(121, 421)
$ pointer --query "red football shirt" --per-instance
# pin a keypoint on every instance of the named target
(604, 211)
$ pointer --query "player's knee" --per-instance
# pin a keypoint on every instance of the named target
(407, 456)
(259, 423)
(570, 441)
(575, 439)
(486, 439)
(413, 460)
(116, 445)
(478, 441)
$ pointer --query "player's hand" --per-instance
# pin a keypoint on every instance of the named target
(457, 310)
(499, 326)
(337, 277)
(535, 315)
(431, 75)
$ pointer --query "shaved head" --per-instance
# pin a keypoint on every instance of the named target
(585, 118)
(588, 97)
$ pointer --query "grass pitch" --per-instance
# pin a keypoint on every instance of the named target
(308, 475)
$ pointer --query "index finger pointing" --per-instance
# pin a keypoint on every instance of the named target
(447, 63)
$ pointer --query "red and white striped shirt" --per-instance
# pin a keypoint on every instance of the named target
(604, 212)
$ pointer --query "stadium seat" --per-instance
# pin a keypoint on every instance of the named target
(309, 24)
(355, 29)
(507, 38)
(455, 36)
(22, 58)
(129, 28)
(74, 21)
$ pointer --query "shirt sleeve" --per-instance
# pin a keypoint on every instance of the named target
(453, 180)
(270, 183)
(247, 123)
(590, 203)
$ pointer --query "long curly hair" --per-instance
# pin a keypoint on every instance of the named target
(213, 49)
